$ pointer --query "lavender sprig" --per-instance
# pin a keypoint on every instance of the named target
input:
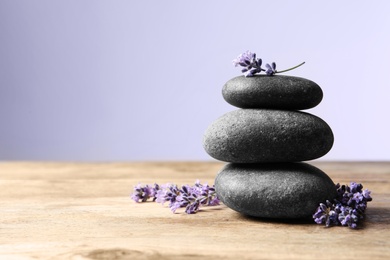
(144, 193)
(189, 197)
(252, 65)
(347, 209)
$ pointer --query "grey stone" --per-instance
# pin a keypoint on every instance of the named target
(265, 135)
(280, 190)
(278, 92)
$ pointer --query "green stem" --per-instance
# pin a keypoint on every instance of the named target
(290, 68)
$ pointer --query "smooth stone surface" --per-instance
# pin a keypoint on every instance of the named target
(283, 190)
(278, 92)
(265, 135)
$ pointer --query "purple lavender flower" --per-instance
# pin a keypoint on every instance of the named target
(244, 59)
(340, 191)
(326, 214)
(193, 207)
(175, 205)
(144, 193)
(320, 216)
(154, 190)
(349, 217)
(190, 197)
(366, 194)
(193, 197)
(209, 196)
(361, 207)
(167, 192)
(249, 62)
(357, 197)
(252, 65)
(348, 207)
(187, 198)
(271, 69)
(356, 187)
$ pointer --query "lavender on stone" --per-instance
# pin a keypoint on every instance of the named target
(252, 65)
(271, 69)
(347, 208)
(189, 197)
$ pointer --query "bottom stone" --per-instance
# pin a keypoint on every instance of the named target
(277, 190)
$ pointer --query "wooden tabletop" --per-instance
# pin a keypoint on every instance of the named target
(83, 211)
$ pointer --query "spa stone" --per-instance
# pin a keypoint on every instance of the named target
(279, 190)
(278, 92)
(266, 135)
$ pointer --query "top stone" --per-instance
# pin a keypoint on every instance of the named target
(275, 92)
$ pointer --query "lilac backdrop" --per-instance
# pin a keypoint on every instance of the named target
(141, 80)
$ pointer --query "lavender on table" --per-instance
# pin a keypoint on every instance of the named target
(144, 193)
(347, 209)
(188, 197)
(252, 65)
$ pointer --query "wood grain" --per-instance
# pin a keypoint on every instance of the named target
(83, 211)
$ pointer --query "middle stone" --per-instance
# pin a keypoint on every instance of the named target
(267, 135)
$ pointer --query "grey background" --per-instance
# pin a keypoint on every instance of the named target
(142, 80)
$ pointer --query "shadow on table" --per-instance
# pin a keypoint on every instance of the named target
(300, 221)
(377, 215)
(374, 215)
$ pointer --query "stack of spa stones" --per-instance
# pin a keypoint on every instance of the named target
(265, 142)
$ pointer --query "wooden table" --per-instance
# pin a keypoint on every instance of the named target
(83, 211)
